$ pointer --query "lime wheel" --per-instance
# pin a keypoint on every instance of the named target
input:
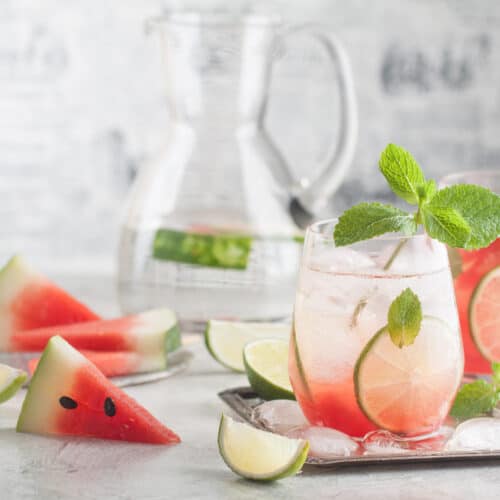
(410, 390)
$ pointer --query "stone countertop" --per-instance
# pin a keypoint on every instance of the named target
(51, 468)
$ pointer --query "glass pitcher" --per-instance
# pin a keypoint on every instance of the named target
(212, 228)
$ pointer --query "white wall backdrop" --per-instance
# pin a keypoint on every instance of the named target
(82, 106)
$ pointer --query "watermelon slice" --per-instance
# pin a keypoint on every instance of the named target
(69, 396)
(117, 363)
(154, 331)
(29, 300)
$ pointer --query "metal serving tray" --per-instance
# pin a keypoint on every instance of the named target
(243, 401)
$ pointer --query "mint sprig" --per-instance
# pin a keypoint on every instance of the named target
(478, 397)
(462, 216)
(404, 318)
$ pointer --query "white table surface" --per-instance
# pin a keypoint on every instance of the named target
(52, 468)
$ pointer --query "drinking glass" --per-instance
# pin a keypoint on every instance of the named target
(345, 370)
(477, 286)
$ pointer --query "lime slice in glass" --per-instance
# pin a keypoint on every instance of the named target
(266, 364)
(259, 455)
(225, 340)
(11, 380)
(484, 317)
(409, 390)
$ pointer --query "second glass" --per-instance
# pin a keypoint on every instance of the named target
(341, 377)
(477, 276)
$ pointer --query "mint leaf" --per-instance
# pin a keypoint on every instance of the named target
(367, 220)
(495, 367)
(474, 399)
(477, 206)
(430, 190)
(446, 225)
(404, 318)
(403, 174)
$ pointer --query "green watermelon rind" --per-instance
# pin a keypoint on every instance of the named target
(171, 342)
(14, 266)
(172, 338)
(20, 426)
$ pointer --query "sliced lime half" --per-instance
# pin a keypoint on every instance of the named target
(266, 364)
(225, 340)
(409, 390)
(259, 455)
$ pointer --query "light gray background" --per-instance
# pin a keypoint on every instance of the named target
(82, 106)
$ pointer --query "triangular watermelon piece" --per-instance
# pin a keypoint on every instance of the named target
(29, 300)
(117, 363)
(69, 396)
(153, 331)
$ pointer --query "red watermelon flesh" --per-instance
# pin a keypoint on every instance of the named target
(69, 396)
(154, 331)
(29, 300)
(116, 363)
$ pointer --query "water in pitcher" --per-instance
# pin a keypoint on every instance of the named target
(207, 272)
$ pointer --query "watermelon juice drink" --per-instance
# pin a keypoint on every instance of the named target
(477, 288)
(341, 377)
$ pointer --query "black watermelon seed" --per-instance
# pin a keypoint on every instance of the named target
(109, 407)
(67, 403)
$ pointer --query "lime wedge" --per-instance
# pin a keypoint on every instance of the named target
(11, 381)
(266, 364)
(484, 319)
(410, 390)
(259, 455)
(225, 340)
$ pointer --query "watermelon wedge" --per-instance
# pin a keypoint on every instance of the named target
(153, 331)
(69, 396)
(29, 300)
(117, 363)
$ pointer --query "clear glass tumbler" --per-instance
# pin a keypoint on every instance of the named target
(345, 371)
(476, 275)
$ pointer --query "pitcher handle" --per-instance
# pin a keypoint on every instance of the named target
(314, 194)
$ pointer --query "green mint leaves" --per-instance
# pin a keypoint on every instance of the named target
(367, 220)
(404, 318)
(447, 225)
(462, 216)
(403, 174)
(478, 397)
(474, 399)
(472, 209)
